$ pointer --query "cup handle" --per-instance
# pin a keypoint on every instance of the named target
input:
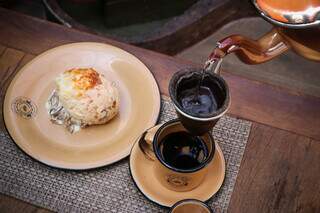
(145, 142)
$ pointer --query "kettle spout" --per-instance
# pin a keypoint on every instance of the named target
(252, 51)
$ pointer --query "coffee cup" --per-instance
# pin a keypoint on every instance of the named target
(199, 122)
(180, 158)
(190, 205)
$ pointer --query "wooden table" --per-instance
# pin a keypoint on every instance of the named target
(280, 169)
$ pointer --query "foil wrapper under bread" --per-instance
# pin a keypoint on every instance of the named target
(59, 115)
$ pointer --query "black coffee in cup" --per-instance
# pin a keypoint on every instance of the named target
(180, 159)
(182, 150)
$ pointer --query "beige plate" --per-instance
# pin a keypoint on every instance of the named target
(142, 173)
(92, 147)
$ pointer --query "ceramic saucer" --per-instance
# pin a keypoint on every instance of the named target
(142, 173)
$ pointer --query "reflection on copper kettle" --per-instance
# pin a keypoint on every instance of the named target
(297, 26)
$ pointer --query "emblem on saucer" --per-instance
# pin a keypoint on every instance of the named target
(24, 107)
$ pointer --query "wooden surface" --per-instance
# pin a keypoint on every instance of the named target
(12, 205)
(280, 172)
(280, 169)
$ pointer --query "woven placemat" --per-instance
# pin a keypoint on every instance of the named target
(107, 189)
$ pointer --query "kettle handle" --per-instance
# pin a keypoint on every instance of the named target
(251, 51)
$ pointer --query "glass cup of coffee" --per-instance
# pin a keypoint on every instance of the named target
(200, 98)
(190, 205)
(180, 158)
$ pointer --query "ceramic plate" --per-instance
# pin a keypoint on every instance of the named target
(142, 173)
(28, 122)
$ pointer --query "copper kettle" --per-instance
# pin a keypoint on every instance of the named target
(296, 26)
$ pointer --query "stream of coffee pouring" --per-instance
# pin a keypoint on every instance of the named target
(213, 65)
(214, 60)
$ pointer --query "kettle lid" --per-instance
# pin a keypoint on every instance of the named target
(290, 13)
